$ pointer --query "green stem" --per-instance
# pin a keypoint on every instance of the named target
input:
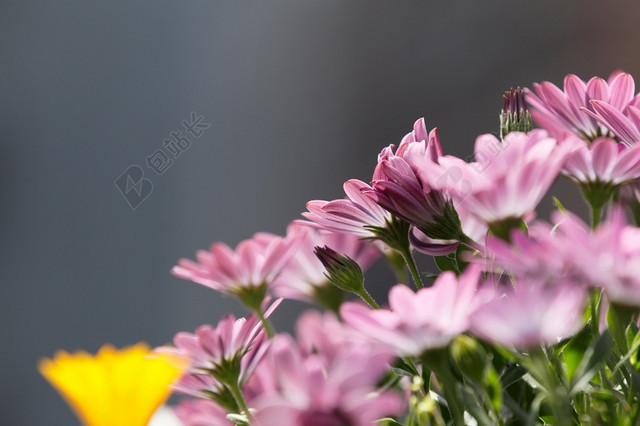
(364, 294)
(237, 395)
(438, 362)
(266, 324)
(557, 395)
(408, 258)
(396, 261)
(594, 305)
(597, 195)
(596, 214)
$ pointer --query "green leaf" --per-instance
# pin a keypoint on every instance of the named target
(618, 318)
(511, 374)
(388, 421)
(404, 368)
(589, 364)
(559, 205)
(446, 263)
(574, 351)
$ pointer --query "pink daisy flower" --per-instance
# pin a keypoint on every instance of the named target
(245, 272)
(529, 315)
(604, 161)
(561, 111)
(202, 412)
(508, 179)
(351, 215)
(418, 322)
(309, 390)
(610, 258)
(230, 351)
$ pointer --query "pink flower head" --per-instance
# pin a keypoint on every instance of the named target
(405, 196)
(252, 267)
(567, 111)
(350, 215)
(305, 274)
(418, 322)
(610, 258)
(604, 161)
(509, 178)
(201, 412)
(415, 146)
(529, 315)
(231, 349)
(325, 336)
(311, 391)
(541, 254)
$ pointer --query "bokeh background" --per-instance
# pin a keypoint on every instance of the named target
(300, 97)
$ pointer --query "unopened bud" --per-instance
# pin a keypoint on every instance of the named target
(342, 271)
(470, 357)
(514, 116)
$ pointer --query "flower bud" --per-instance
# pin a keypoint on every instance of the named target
(470, 357)
(514, 116)
(342, 271)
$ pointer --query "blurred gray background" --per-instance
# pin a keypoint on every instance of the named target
(300, 97)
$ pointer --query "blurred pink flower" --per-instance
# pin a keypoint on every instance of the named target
(507, 179)
(311, 391)
(610, 258)
(604, 161)
(540, 254)
(252, 267)
(566, 111)
(201, 412)
(529, 315)
(418, 322)
(324, 335)
(304, 273)
(350, 215)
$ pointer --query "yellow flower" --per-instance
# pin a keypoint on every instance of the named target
(116, 387)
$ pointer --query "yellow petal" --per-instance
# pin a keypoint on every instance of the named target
(114, 387)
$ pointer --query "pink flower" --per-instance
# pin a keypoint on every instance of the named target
(610, 258)
(604, 161)
(407, 197)
(201, 412)
(230, 350)
(529, 315)
(312, 391)
(418, 322)
(564, 111)
(304, 275)
(246, 272)
(325, 336)
(540, 254)
(416, 146)
(350, 215)
(396, 183)
(507, 179)
(398, 188)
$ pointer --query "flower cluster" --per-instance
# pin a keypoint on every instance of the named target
(527, 320)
